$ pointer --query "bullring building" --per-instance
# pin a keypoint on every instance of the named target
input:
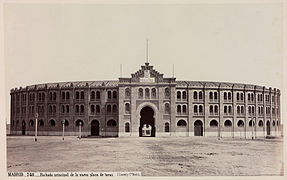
(146, 104)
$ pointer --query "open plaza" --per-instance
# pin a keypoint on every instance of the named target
(166, 156)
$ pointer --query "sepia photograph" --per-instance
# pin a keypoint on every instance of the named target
(143, 89)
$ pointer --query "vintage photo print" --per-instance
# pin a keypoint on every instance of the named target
(143, 89)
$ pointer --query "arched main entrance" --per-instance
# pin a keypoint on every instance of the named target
(95, 128)
(198, 128)
(147, 127)
(23, 128)
(268, 128)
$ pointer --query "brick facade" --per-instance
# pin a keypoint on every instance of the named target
(172, 108)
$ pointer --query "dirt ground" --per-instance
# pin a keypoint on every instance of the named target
(170, 156)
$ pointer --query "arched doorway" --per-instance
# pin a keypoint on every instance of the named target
(95, 128)
(268, 128)
(198, 128)
(147, 127)
(23, 127)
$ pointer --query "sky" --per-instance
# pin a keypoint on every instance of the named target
(240, 43)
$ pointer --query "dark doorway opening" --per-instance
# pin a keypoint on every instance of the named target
(147, 127)
(23, 128)
(268, 128)
(198, 128)
(95, 128)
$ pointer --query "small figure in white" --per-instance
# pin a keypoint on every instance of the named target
(146, 130)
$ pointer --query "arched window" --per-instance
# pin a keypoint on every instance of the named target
(147, 93)
(79, 122)
(181, 123)
(184, 95)
(250, 123)
(109, 108)
(237, 96)
(153, 93)
(249, 109)
(229, 95)
(260, 123)
(200, 109)
(109, 95)
(166, 108)
(213, 123)
(215, 95)
(82, 108)
(77, 109)
(216, 109)
(242, 109)
(194, 95)
(166, 127)
(31, 123)
(241, 96)
(140, 93)
(54, 109)
(115, 95)
(50, 109)
(225, 109)
(253, 109)
(248, 97)
(111, 123)
(238, 109)
(63, 95)
(127, 127)
(252, 97)
(41, 122)
(127, 108)
(127, 93)
(67, 95)
(98, 95)
(67, 108)
(92, 108)
(93, 95)
(52, 122)
(211, 109)
(98, 109)
(50, 96)
(184, 109)
(178, 109)
(240, 123)
(54, 96)
(225, 95)
(166, 92)
(273, 123)
(178, 95)
(39, 97)
(115, 109)
(77, 95)
(227, 123)
(63, 109)
(200, 95)
(195, 109)
(66, 122)
(210, 95)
